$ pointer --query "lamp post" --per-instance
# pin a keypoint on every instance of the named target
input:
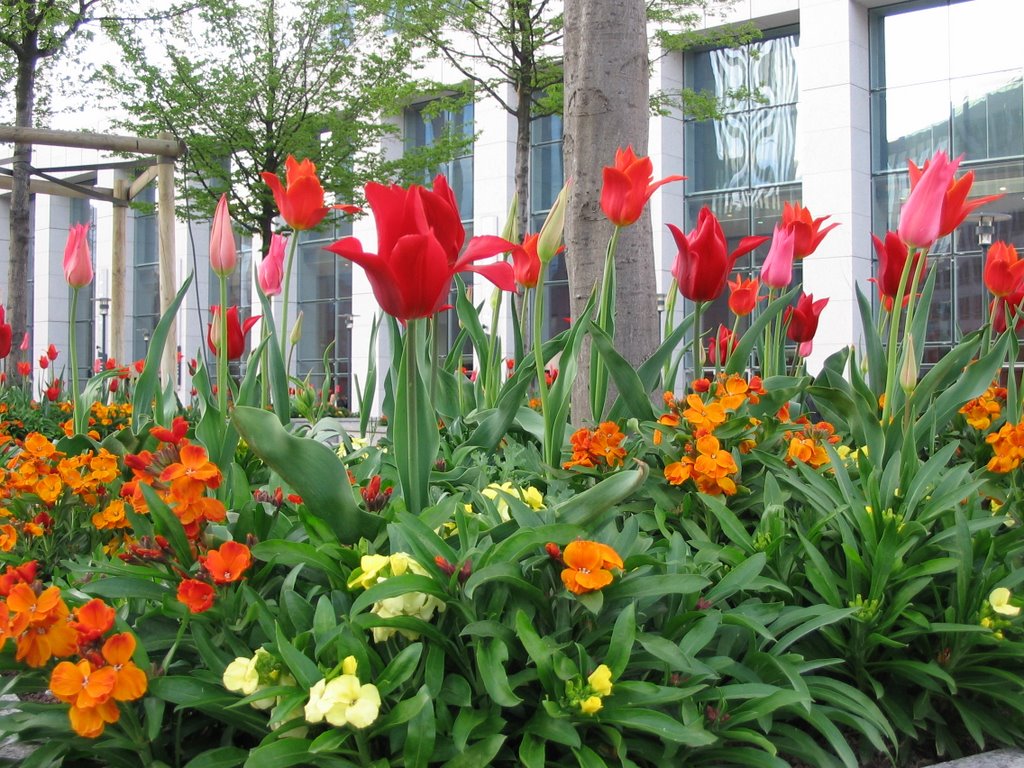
(103, 304)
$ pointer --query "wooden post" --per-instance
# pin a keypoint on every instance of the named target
(118, 262)
(168, 281)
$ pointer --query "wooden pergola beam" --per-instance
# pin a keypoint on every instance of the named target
(163, 147)
(38, 186)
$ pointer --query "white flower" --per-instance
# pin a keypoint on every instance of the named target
(343, 701)
(416, 604)
(241, 676)
(1000, 602)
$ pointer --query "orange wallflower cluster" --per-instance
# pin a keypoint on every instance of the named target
(181, 473)
(44, 628)
(711, 467)
(591, 448)
(39, 477)
(983, 410)
(724, 396)
(103, 419)
(807, 445)
(1007, 447)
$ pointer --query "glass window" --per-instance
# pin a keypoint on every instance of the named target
(966, 96)
(754, 142)
(146, 275)
(324, 289)
(547, 175)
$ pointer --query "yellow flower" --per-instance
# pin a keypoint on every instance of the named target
(349, 665)
(601, 680)
(241, 676)
(416, 604)
(530, 496)
(369, 567)
(591, 705)
(343, 701)
(1000, 602)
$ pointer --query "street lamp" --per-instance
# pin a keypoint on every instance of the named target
(103, 304)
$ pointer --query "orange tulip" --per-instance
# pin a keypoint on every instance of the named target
(628, 185)
(301, 200)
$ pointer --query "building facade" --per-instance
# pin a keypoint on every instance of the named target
(824, 109)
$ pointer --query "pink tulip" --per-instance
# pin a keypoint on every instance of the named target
(271, 270)
(777, 270)
(24, 342)
(223, 258)
(77, 259)
(921, 216)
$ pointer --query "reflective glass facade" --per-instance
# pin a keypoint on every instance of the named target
(324, 289)
(950, 76)
(743, 166)
(547, 174)
(145, 276)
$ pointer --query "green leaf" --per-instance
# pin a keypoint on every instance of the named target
(491, 655)
(276, 371)
(658, 724)
(399, 669)
(116, 587)
(481, 753)
(221, 757)
(414, 431)
(421, 735)
(149, 379)
(738, 579)
(305, 670)
(635, 585)
(166, 523)
(366, 394)
(583, 509)
(311, 468)
(283, 552)
(631, 389)
(396, 586)
(280, 754)
(623, 637)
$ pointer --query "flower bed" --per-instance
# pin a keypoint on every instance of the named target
(766, 569)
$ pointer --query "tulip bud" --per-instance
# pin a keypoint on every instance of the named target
(296, 333)
(24, 343)
(223, 257)
(511, 230)
(77, 259)
(908, 371)
(551, 232)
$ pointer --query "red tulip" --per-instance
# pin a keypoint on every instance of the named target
(807, 232)
(419, 249)
(237, 331)
(6, 334)
(743, 296)
(628, 186)
(803, 318)
(1003, 305)
(721, 346)
(25, 369)
(955, 205)
(526, 262)
(223, 257)
(301, 201)
(53, 391)
(44, 362)
(892, 256)
(270, 272)
(51, 352)
(777, 270)
(77, 259)
(703, 262)
(1003, 269)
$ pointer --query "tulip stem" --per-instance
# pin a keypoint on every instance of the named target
(73, 350)
(605, 312)
(897, 314)
(222, 349)
(698, 309)
(670, 321)
(492, 374)
(293, 243)
(538, 358)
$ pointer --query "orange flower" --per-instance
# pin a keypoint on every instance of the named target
(301, 202)
(703, 417)
(602, 444)
(93, 620)
(82, 686)
(197, 595)
(666, 420)
(8, 537)
(981, 411)
(40, 625)
(1008, 448)
(588, 564)
(228, 563)
(678, 472)
(112, 516)
(192, 473)
(130, 681)
(713, 466)
(89, 722)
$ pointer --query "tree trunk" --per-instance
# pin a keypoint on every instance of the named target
(606, 107)
(523, 159)
(21, 208)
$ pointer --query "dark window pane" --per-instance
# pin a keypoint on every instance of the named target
(717, 153)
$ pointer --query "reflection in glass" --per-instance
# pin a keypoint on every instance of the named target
(988, 116)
